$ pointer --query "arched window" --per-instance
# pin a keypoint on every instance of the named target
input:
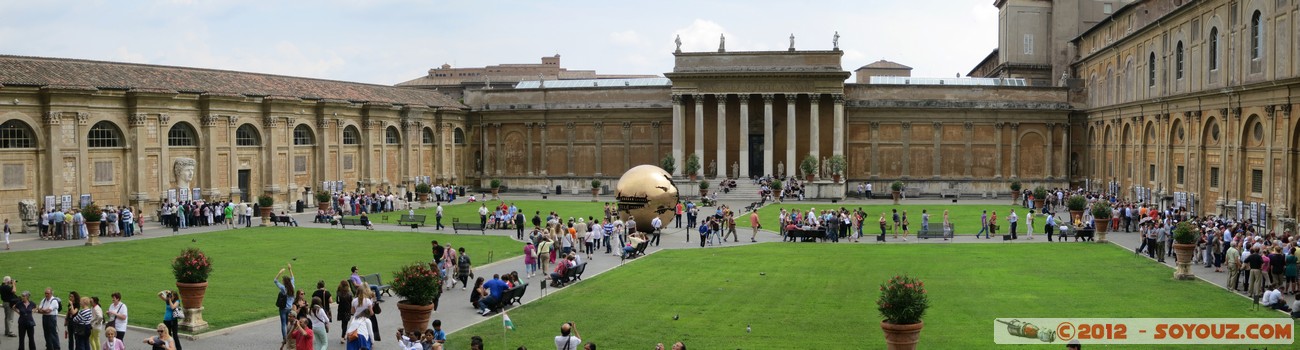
(246, 135)
(302, 136)
(16, 134)
(427, 136)
(351, 136)
(1256, 36)
(1178, 60)
(1214, 48)
(1151, 70)
(458, 136)
(104, 134)
(391, 136)
(181, 134)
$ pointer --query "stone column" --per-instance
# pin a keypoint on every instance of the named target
(499, 150)
(568, 135)
(838, 148)
(790, 139)
(721, 158)
(232, 125)
(875, 149)
(53, 160)
(599, 128)
(290, 124)
(938, 150)
(656, 135)
(529, 147)
(679, 137)
(768, 134)
(1015, 150)
(627, 145)
(699, 132)
(208, 155)
(164, 157)
(268, 155)
(742, 136)
(1051, 131)
(907, 150)
(969, 137)
(440, 153)
(814, 125)
(543, 164)
(997, 135)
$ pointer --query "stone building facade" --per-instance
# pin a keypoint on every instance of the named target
(126, 134)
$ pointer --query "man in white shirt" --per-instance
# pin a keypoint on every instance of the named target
(49, 310)
(569, 339)
(1012, 219)
(437, 217)
(656, 224)
(1273, 299)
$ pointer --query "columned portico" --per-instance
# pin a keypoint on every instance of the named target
(699, 132)
(743, 140)
(790, 137)
(814, 125)
(768, 135)
(722, 136)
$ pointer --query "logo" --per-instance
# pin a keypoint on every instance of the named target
(1143, 330)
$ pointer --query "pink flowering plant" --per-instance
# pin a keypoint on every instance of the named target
(192, 266)
(417, 283)
(903, 300)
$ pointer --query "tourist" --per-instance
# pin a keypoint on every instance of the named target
(7, 247)
(1011, 221)
(1161, 234)
(463, 268)
(1233, 259)
(1290, 270)
(438, 336)
(656, 224)
(1255, 279)
(343, 298)
(591, 237)
(896, 223)
(162, 341)
(753, 224)
(227, 214)
(359, 334)
(171, 304)
(477, 293)
(320, 321)
(96, 323)
(82, 324)
(286, 285)
(494, 287)
(569, 338)
(993, 225)
(544, 253)
(116, 317)
(74, 304)
(449, 261)
(1047, 227)
(26, 324)
(8, 298)
(1277, 267)
(111, 341)
(49, 310)
(437, 217)
(984, 225)
(324, 296)
(1273, 300)
(530, 259)
(904, 224)
(365, 301)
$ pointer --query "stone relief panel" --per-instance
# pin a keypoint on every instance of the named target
(516, 157)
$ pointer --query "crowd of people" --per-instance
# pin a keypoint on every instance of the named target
(84, 319)
(56, 224)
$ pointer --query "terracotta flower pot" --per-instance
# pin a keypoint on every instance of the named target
(415, 316)
(192, 294)
(1184, 254)
(323, 205)
(1075, 215)
(835, 178)
(266, 216)
(92, 233)
(897, 194)
(902, 336)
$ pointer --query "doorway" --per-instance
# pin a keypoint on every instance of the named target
(244, 175)
(756, 155)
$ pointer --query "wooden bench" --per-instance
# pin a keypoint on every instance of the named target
(414, 220)
(640, 250)
(374, 280)
(354, 221)
(939, 232)
(285, 219)
(456, 226)
(805, 235)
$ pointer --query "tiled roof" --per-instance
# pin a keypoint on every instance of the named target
(74, 73)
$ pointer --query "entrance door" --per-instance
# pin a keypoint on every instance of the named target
(756, 155)
(244, 175)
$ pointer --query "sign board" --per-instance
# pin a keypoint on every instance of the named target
(194, 194)
(65, 202)
(1240, 209)
(171, 196)
(85, 200)
(49, 203)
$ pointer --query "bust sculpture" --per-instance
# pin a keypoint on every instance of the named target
(183, 169)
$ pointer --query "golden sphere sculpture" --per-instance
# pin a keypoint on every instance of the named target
(646, 192)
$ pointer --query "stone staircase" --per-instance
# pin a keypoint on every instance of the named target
(746, 191)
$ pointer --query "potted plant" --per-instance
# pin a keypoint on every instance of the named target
(897, 189)
(1101, 218)
(1185, 236)
(323, 200)
(669, 164)
(423, 191)
(191, 269)
(902, 303)
(265, 202)
(1076, 204)
(809, 167)
(777, 188)
(419, 286)
(595, 189)
(1040, 194)
(693, 166)
(495, 184)
(1015, 191)
(704, 188)
(838, 164)
(91, 214)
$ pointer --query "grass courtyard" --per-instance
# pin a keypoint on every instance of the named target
(823, 296)
(244, 263)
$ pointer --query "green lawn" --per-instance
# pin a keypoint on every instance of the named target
(823, 296)
(468, 212)
(244, 263)
(965, 217)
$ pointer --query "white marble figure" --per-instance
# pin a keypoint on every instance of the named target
(791, 41)
(836, 40)
(679, 42)
(183, 169)
(735, 169)
(722, 42)
(780, 170)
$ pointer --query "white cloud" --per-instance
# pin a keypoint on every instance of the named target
(702, 35)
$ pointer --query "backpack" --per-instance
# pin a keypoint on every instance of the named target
(281, 300)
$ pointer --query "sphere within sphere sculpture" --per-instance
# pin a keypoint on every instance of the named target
(646, 192)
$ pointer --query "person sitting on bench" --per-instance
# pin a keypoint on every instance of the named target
(632, 242)
(292, 221)
(561, 269)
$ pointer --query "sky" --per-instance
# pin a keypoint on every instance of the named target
(391, 41)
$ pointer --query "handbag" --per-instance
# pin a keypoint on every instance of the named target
(178, 313)
(375, 307)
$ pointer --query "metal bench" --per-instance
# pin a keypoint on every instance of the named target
(354, 221)
(413, 220)
(456, 226)
(374, 280)
(936, 233)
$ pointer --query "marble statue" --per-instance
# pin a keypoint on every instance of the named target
(28, 212)
(780, 170)
(836, 40)
(826, 167)
(646, 192)
(183, 169)
(713, 168)
(722, 42)
(791, 41)
(679, 42)
(735, 169)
